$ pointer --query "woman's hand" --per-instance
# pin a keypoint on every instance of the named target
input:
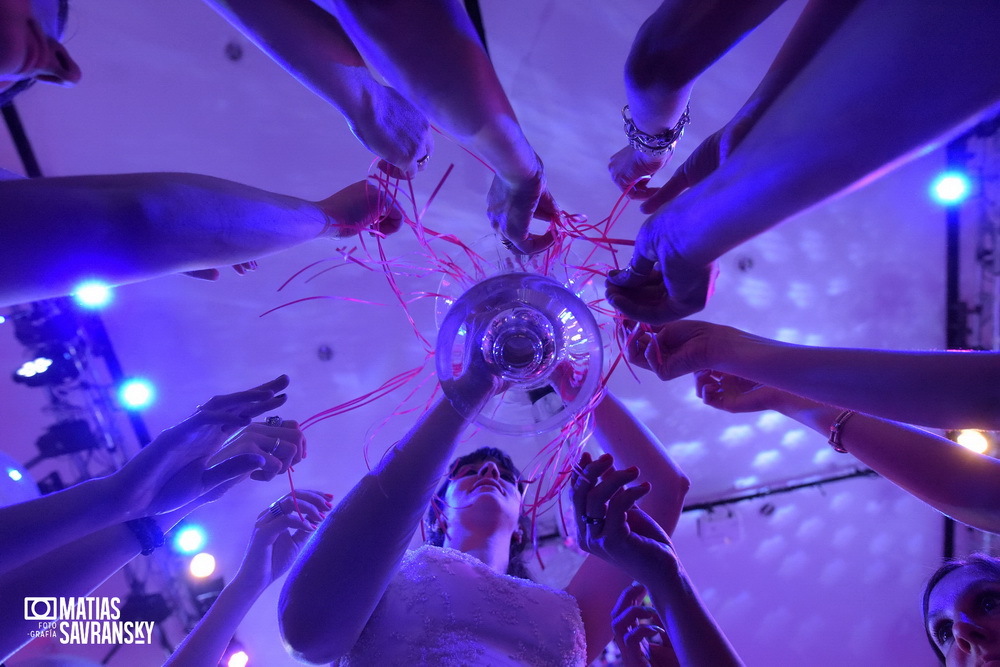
(280, 445)
(181, 466)
(631, 169)
(634, 626)
(511, 206)
(611, 527)
(396, 131)
(734, 394)
(360, 206)
(278, 537)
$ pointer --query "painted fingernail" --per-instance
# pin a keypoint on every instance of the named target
(328, 495)
(282, 395)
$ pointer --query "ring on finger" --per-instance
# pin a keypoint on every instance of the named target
(273, 420)
(276, 509)
(422, 162)
(593, 520)
(277, 443)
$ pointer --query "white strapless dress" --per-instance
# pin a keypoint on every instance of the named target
(445, 608)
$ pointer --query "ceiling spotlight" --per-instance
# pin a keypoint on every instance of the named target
(53, 366)
(950, 188)
(238, 659)
(92, 294)
(189, 539)
(202, 565)
(136, 394)
(973, 440)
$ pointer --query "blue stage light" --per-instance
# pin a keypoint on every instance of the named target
(190, 539)
(92, 294)
(136, 394)
(950, 188)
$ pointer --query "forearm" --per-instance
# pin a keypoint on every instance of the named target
(38, 526)
(73, 570)
(934, 389)
(123, 228)
(632, 444)
(309, 43)
(344, 569)
(816, 140)
(694, 634)
(430, 52)
(818, 21)
(674, 46)
(207, 642)
(945, 475)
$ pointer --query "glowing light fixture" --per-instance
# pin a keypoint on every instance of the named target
(973, 440)
(190, 539)
(950, 188)
(202, 565)
(92, 294)
(136, 394)
(52, 365)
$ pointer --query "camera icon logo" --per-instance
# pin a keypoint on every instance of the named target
(41, 609)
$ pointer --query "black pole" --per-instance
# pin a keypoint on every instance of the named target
(17, 134)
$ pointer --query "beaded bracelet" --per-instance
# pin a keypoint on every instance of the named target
(147, 532)
(655, 144)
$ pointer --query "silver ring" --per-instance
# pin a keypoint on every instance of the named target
(277, 443)
(275, 509)
(273, 420)
(422, 162)
(507, 243)
(645, 270)
(593, 520)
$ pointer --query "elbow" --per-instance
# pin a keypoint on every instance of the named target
(304, 636)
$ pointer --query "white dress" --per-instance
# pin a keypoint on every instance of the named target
(446, 608)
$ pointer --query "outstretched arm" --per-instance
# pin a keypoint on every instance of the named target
(960, 483)
(630, 540)
(343, 572)
(184, 463)
(431, 53)
(130, 227)
(309, 43)
(597, 584)
(278, 535)
(818, 21)
(816, 140)
(672, 48)
(947, 389)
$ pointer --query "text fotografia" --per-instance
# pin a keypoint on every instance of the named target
(87, 620)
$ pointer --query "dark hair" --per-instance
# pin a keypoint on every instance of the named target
(991, 564)
(8, 95)
(435, 535)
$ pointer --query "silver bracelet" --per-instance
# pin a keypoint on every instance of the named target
(655, 145)
(836, 430)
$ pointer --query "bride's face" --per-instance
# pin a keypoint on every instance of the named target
(485, 487)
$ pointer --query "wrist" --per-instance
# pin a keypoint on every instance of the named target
(507, 151)
(113, 497)
(245, 588)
